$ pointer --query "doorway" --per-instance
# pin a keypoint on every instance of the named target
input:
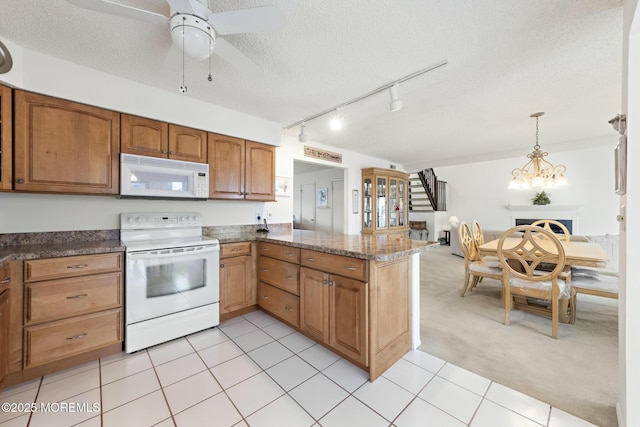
(307, 206)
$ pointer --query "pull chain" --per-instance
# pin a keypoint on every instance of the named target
(183, 88)
(210, 54)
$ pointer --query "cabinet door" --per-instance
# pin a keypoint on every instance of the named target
(235, 283)
(381, 203)
(367, 216)
(65, 147)
(226, 167)
(5, 139)
(314, 304)
(4, 335)
(260, 172)
(187, 144)
(145, 137)
(349, 317)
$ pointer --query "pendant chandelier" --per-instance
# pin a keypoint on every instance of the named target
(538, 172)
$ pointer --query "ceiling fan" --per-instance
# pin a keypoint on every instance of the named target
(195, 29)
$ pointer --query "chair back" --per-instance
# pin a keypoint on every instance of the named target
(530, 252)
(467, 242)
(478, 236)
(546, 224)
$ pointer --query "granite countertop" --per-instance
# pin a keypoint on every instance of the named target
(379, 248)
(59, 249)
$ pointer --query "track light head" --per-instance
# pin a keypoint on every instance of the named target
(302, 137)
(396, 103)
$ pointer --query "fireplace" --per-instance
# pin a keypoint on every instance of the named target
(566, 222)
(566, 214)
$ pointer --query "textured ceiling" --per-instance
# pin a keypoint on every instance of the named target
(506, 60)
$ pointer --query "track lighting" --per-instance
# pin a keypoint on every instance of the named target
(336, 121)
(396, 103)
(303, 133)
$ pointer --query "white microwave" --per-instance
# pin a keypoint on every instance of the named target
(142, 176)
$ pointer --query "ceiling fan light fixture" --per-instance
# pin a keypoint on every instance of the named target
(396, 103)
(198, 35)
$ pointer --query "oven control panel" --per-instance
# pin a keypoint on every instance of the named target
(159, 220)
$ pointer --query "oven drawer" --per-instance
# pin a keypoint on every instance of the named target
(235, 249)
(56, 340)
(280, 303)
(281, 274)
(57, 299)
(56, 268)
(285, 253)
(344, 266)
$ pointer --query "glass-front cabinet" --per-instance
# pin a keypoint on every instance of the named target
(384, 201)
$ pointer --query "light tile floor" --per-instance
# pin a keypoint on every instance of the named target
(254, 370)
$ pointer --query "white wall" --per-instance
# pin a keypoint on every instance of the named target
(322, 179)
(479, 190)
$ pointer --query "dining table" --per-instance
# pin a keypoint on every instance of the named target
(584, 254)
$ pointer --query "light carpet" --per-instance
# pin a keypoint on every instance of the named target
(578, 372)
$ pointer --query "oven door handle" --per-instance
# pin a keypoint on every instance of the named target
(158, 253)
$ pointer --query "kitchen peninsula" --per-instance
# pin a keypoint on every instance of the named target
(357, 295)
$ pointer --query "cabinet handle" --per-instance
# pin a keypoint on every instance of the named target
(288, 277)
(164, 151)
(311, 259)
(350, 268)
(78, 266)
(236, 249)
(324, 282)
(172, 152)
(19, 181)
(5, 280)
(289, 254)
(288, 308)
(330, 282)
(265, 269)
(221, 265)
(265, 297)
(77, 337)
(77, 296)
(265, 249)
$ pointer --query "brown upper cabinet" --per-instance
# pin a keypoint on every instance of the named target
(64, 147)
(148, 137)
(5, 139)
(240, 169)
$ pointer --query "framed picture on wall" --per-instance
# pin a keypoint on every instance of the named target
(322, 200)
(621, 165)
(283, 186)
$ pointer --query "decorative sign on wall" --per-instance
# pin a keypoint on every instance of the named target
(316, 153)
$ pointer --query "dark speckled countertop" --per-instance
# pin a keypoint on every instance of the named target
(57, 244)
(379, 248)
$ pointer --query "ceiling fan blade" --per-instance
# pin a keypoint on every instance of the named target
(121, 10)
(250, 20)
(233, 56)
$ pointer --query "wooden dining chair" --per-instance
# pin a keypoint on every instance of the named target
(546, 224)
(521, 277)
(563, 236)
(474, 267)
(478, 237)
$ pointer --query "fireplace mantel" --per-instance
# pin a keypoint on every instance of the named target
(545, 208)
(558, 212)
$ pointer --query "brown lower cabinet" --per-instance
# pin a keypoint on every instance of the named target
(4, 335)
(64, 311)
(358, 308)
(237, 288)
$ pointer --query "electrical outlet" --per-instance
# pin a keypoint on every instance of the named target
(269, 214)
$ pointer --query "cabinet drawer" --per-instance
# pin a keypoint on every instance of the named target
(281, 274)
(55, 268)
(235, 249)
(337, 264)
(282, 304)
(285, 253)
(56, 340)
(57, 299)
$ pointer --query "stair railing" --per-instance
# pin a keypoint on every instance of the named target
(436, 190)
